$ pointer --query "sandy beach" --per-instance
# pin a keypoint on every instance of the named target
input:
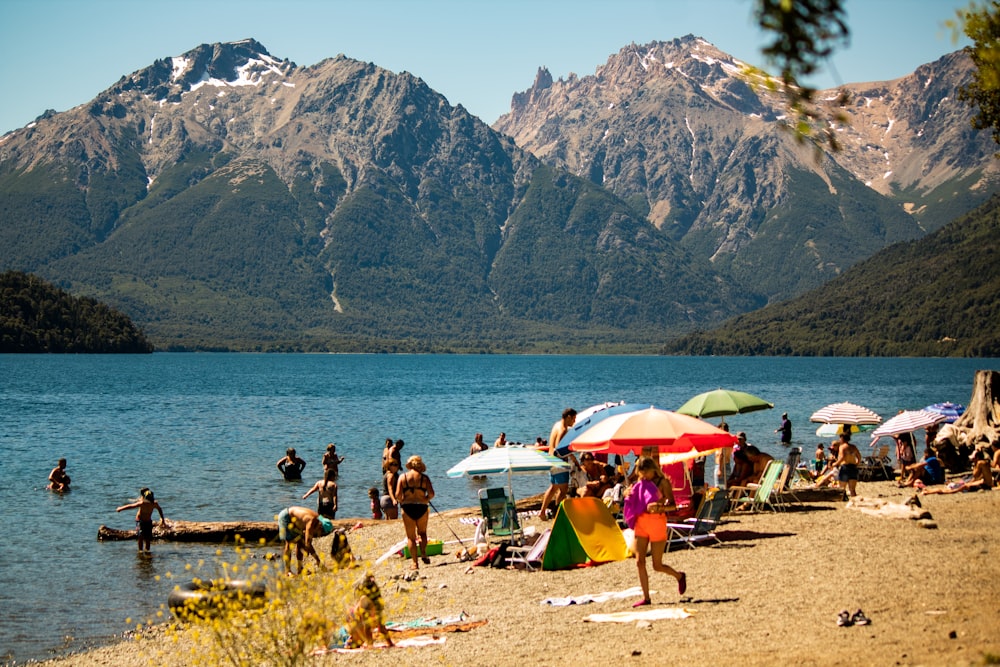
(770, 594)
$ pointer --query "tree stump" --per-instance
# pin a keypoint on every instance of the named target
(980, 424)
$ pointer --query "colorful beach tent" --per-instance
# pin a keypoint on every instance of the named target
(583, 531)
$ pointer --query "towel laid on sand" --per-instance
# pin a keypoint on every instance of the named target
(596, 597)
(409, 642)
(630, 616)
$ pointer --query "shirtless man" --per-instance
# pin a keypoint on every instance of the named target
(758, 460)
(326, 489)
(848, 460)
(144, 517)
(298, 526)
(558, 482)
(58, 479)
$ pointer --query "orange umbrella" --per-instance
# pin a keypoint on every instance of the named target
(651, 428)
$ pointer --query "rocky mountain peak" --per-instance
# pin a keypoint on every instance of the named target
(543, 81)
(242, 63)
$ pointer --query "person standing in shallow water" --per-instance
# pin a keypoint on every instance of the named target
(144, 506)
(291, 466)
(331, 462)
(477, 445)
(327, 498)
(387, 500)
(392, 452)
(785, 429)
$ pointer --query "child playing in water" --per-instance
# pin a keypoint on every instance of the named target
(331, 462)
(144, 517)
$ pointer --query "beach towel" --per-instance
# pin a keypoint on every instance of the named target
(666, 613)
(596, 597)
(409, 642)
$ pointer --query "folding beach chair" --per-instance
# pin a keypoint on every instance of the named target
(500, 516)
(877, 466)
(758, 496)
(530, 556)
(700, 528)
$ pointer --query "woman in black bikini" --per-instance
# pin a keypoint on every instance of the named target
(414, 492)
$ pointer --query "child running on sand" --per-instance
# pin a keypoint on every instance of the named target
(646, 505)
(144, 517)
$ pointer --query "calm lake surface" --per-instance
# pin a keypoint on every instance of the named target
(204, 432)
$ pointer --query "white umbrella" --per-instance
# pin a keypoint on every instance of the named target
(910, 420)
(833, 430)
(511, 460)
(845, 413)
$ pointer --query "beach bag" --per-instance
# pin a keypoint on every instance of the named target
(578, 477)
(500, 557)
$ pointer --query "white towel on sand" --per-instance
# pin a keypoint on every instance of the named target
(645, 615)
(635, 591)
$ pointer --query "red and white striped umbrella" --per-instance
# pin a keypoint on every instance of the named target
(845, 413)
(910, 420)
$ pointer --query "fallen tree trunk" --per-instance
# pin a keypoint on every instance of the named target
(980, 424)
(199, 531)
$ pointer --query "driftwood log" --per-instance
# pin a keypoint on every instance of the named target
(199, 531)
(980, 424)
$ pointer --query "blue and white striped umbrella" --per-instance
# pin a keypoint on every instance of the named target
(951, 411)
(511, 460)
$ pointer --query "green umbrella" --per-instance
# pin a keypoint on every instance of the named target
(721, 402)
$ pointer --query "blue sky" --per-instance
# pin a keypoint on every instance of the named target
(61, 53)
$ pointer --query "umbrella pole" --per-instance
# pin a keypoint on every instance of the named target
(447, 524)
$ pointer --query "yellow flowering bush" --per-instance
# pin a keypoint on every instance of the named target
(245, 612)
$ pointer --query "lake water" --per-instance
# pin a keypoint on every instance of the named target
(204, 432)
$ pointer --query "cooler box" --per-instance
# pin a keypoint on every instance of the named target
(434, 548)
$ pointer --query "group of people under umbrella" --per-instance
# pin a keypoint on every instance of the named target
(676, 436)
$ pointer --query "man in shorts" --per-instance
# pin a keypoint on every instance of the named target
(299, 525)
(848, 459)
(558, 481)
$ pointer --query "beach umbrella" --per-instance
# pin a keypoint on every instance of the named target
(513, 460)
(905, 422)
(651, 428)
(845, 413)
(833, 430)
(951, 411)
(594, 414)
(722, 402)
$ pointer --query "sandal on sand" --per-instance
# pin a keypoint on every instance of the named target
(682, 583)
(844, 619)
(859, 618)
(641, 603)
(426, 560)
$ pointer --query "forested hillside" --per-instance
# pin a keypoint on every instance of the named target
(939, 296)
(36, 316)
